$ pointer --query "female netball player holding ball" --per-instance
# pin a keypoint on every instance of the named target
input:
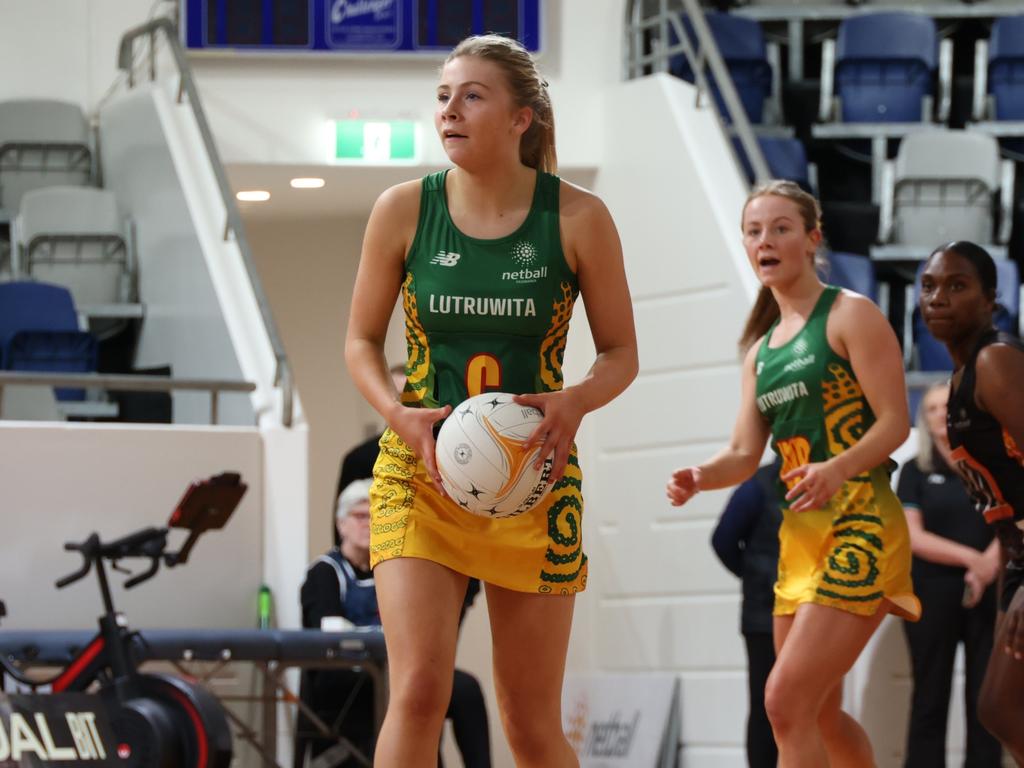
(823, 376)
(985, 422)
(488, 258)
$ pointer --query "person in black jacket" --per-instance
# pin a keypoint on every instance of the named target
(340, 584)
(746, 540)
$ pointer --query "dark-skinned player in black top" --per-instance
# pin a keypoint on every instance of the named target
(985, 417)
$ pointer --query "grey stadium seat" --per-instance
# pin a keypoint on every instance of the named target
(941, 188)
(42, 143)
(76, 237)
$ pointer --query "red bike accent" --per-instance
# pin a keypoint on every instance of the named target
(69, 675)
(197, 724)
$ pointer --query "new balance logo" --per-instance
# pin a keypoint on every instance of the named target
(446, 258)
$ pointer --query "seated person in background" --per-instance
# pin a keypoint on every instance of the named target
(956, 561)
(340, 584)
(746, 540)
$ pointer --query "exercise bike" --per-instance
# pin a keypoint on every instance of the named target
(101, 710)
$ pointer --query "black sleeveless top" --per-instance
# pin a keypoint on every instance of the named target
(985, 455)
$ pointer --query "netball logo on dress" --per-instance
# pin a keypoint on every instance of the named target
(524, 254)
(802, 358)
(446, 258)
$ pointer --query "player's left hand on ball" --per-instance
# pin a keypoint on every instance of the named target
(556, 432)
(416, 428)
(819, 482)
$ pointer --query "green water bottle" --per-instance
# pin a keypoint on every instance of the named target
(264, 607)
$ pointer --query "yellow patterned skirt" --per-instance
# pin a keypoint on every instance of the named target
(851, 555)
(539, 551)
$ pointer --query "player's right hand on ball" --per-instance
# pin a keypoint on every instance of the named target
(683, 485)
(416, 427)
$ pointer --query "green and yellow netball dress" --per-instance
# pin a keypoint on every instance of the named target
(854, 552)
(482, 315)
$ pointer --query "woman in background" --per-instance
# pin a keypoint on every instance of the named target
(823, 376)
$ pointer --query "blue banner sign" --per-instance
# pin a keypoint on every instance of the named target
(354, 26)
(363, 24)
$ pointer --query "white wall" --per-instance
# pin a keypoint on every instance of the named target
(63, 49)
(63, 481)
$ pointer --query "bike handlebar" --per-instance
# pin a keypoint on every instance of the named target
(87, 549)
(149, 542)
(146, 574)
(73, 577)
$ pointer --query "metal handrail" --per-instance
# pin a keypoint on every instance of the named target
(187, 86)
(126, 382)
(707, 57)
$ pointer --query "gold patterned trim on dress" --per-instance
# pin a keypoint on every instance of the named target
(565, 568)
(417, 367)
(552, 347)
(852, 566)
(392, 496)
(845, 409)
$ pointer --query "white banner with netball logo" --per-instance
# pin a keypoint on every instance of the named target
(615, 721)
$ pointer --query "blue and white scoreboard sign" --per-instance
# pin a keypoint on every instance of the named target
(354, 26)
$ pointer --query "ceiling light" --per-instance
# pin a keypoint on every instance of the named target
(253, 195)
(307, 183)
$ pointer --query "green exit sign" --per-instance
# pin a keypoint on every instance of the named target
(376, 141)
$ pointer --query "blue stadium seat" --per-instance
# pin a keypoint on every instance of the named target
(885, 66)
(853, 271)
(786, 159)
(1007, 315)
(1006, 68)
(39, 332)
(880, 79)
(741, 43)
